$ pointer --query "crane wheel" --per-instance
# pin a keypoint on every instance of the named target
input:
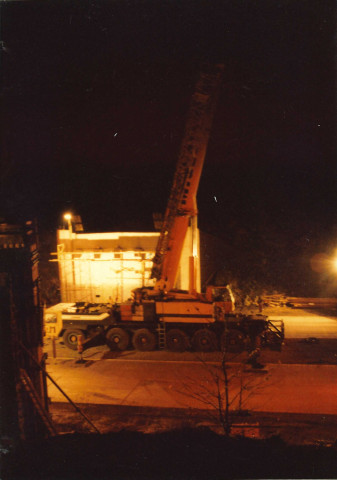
(233, 341)
(144, 340)
(70, 337)
(205, 341)
(177, 340)
(117, 339)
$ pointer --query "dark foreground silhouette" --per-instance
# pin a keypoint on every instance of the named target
(184, 454)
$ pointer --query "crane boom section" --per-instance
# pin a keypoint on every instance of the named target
(182, 200)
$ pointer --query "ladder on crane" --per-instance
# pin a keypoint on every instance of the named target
(161, 335)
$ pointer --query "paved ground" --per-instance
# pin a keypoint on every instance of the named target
(306, 324)
(299, 380)
(298, 351)
(279, 388)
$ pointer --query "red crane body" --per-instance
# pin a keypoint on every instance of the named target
(182, 205)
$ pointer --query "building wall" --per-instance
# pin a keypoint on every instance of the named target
(23, 392)
(106, 267)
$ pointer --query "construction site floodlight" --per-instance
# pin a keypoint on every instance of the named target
(68, 217)
(334, 264)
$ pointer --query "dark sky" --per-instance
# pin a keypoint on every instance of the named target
(96, 94)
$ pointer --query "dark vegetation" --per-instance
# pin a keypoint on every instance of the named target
(260, 259)
(186, 454)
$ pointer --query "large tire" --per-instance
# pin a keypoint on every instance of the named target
(117, 339)
(144, 340)
(233, 340)
(70, 337)
(177, 340)
(205, 341)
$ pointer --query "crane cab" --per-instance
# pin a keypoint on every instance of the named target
(221, 296)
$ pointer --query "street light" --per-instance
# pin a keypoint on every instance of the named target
(68, 217)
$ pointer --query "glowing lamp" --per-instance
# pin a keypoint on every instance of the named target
(68, 217)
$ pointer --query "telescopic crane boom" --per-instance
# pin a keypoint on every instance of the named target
(161, 316)
(181, 209)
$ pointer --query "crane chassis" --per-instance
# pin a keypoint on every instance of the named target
(171, 323)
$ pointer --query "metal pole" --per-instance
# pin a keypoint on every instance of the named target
(59, 388)
(54, 347)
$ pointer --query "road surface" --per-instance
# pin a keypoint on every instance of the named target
(303, 324)
(308, 389)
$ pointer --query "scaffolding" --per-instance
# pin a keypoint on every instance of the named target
(23, 394)
(106, 267)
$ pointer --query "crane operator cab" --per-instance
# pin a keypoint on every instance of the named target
(223, 296)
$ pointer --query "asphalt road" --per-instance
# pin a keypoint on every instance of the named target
(186, 380)
(174, 384)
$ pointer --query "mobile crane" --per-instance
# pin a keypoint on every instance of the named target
(161, 316)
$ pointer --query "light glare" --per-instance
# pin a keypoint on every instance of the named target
(334, 264)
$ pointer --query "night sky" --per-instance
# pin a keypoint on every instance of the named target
(96, 96)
